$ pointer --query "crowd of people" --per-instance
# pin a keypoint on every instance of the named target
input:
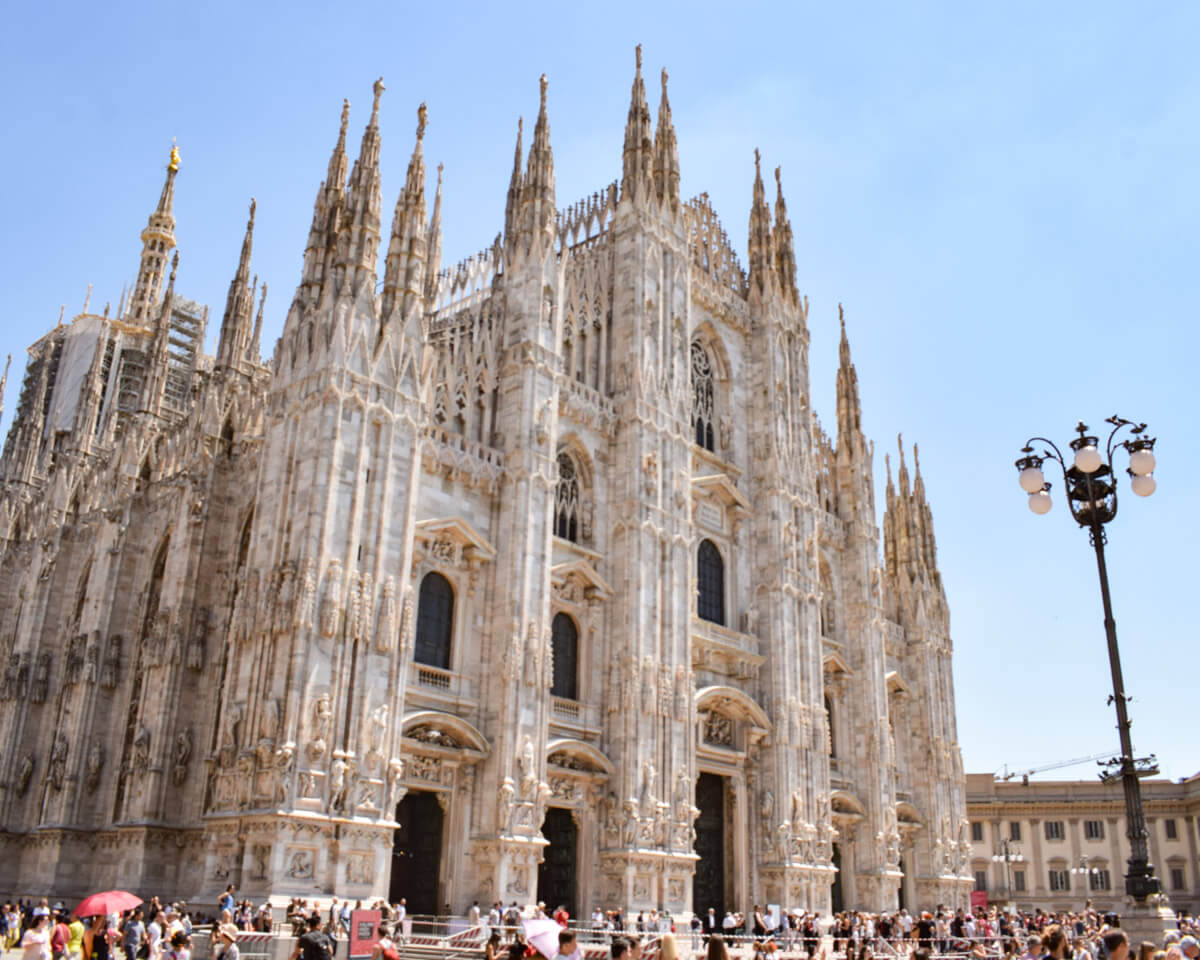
(163, 931)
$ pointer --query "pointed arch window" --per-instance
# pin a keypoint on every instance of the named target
(566, 500)
(703, 396)
(831, 742)
(710, 575)
(435, 622)
(564, 642)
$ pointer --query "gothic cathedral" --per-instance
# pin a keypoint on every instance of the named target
(531, 578)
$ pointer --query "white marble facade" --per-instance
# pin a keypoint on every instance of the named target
(541, 553)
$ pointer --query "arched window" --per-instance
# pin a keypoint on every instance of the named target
(566, 500)
(564, 641)
(710, 573)
(703, 413)
(435, 621)
(831, 743)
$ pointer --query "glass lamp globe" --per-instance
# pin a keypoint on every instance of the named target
(1087, 459)
(1141, 462)
(1143, 486)
(1032, 480)
(1040, 502)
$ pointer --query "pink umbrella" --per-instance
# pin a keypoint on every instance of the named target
(543, 934)
(110, 901)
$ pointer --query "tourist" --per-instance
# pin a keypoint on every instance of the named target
(180, 948)
(1190, 947)
(60, 934)
(716, 948)
(315, 944)
(385, 947)
(133, 935)
(36, 940)
(226, 901)
(75, 930)
(225, 942)
(568, 949)
(491, 949)
(96, 945)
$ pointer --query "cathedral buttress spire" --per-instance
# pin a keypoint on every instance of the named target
(364, 201)
(322, 234)
(157, 239)
(785, 254)
(435, 244)
(537, 194)
(512, 204)
(760, 246)
(156, 376)
(404, 271)
(239, 304)
(255, 352)
(849, 409)
(666, 154)
(637, 176)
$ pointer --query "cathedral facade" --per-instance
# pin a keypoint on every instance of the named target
(534, 577)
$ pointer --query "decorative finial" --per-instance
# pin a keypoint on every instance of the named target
(421, 115)
(440, 175)
(842, 318)
(637, 53)
(107, 304)
(779, 178)
(916, 459)
(756, 159)
(542, 82)
(378, 89)
(900, 444)
(61, 311)
(664, 79)
(174, 265)
(173, 164)
(87, 299)
(345, 115)
(253, 207)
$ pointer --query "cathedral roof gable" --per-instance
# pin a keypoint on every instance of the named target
(720, 487)
(458, 529)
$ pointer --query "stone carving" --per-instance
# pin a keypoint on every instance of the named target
(685, 811)
(683, 692)
(230, 734)
(767, 807)
(181, 753)
(338, 773)
(110, 671)
(718, 729)
(300, 864)
(285, 761)
(433, 736)
(94, 766)
(648, 672)
(406, 621)
(507, 794)
(40, 688)
(91, 662)
(74, 665)
(532, 654)
(376, 731)
(57, 769)
(646, 798)
(395, 781)
(24, 774)
(321, 728)
(385, 632)
(359, 585)
(141, 749)
(360, 868)
(8, 690)
(268, 720)
(260, 857)
(331, 608)
(195, 659)
(525, 764)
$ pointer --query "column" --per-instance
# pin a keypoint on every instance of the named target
(1037, 865)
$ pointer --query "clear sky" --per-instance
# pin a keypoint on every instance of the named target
(1003, 195)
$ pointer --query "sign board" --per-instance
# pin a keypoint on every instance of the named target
(364, 931)
(978, 899)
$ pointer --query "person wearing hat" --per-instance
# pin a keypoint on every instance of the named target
(226, 941)
(1190, 947)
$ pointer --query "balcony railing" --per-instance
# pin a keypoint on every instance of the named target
(434, 677)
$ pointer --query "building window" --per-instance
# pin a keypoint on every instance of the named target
(435, 622)
(564, 641)
(703, 396)
(1054, 829)
(1019, 881)
(1060, 881)
(1099, 879)
(1172, 830)
(832, 740)
(566, 500)
(710, 573)
(981, 880)
(1093, 829)
(1014, 831)
(1177, 878)
(977, 832)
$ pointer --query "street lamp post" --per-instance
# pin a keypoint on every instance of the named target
(1091, 492)
(1084, 874)
(1008, 858)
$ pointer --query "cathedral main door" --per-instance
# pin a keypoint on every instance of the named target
(836, 894)
(708, 884)
(417, 853)
(556, 873)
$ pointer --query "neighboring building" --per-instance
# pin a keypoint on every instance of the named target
(531, 578)
(1070, 835)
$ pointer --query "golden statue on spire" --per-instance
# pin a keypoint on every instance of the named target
(173, 165)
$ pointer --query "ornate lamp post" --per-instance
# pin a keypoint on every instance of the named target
(1084, 873)
(1091, 491)
(1008, 858)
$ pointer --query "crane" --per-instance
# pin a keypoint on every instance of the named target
(1026, 774)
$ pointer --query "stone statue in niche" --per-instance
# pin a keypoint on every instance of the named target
(24, 774)
(95, 765)
(40, 688)
(647, 798)
(385, 633)
(57, 771)
(322, 727)
(525, 763)
(109, 673)
(141, 749)
(307, 601)
(331, 607)
(181, 753)
(195, 648)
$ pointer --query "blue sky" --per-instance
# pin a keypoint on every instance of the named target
(1004, 197)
